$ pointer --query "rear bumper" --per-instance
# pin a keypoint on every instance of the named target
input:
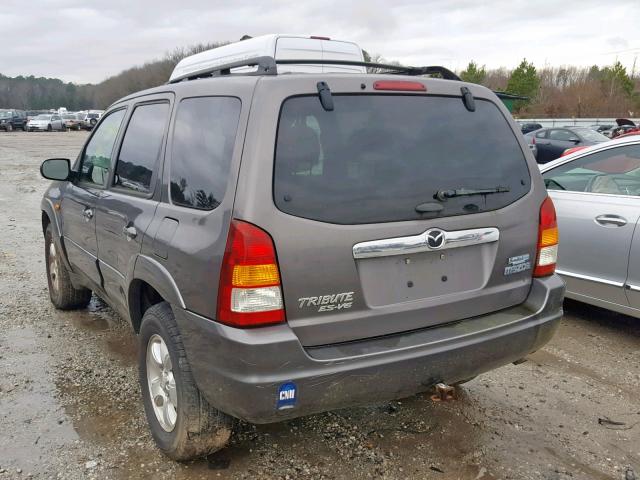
(241, 371)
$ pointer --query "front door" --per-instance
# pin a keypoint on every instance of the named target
(128, 206)
(81, 195)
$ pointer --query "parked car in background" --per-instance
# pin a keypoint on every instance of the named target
(282, 250)
(13, 120)
(552, 142)
(596, 192)
(529, 127)
(46, 122)
(71, 121)
(601, 128)
(632, 133)
(90, 119)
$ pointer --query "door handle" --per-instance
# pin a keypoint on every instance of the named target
(130, 232)
(87, 213)
(611, 220)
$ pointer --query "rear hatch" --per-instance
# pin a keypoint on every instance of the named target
(392, 212)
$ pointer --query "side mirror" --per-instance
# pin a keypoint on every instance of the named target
(56, 169)
(575, 140)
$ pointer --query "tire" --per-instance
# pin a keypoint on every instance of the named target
(24, 128)
(9, 127)
(93, 122)
(63, 294)
(49, 129)
(192, 428)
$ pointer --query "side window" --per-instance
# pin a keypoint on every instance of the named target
(562, 135)
(203, 140)
(96, 159)
(141, 147)
(614, 171)
(542, 134)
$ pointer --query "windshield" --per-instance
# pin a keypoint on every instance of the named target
(5, 115)
(69, 117)
(375, 158)
(590, 135)
(43, 117)
(92, 115)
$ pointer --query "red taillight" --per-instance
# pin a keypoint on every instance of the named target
(399, 85)
(547, 240)
(533, 140)
(249, 294)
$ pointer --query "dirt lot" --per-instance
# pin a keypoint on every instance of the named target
(70, 403)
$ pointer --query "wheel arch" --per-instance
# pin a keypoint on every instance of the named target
(151, 283)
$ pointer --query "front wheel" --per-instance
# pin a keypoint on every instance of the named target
(63, 294)
(182, 423)
(25, 128)
(49, 129)
(9, 127)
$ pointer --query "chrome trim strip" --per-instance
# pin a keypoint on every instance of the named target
(102, 262)
(418, 243)
(79, 247)
(635, 288)
(590, 278)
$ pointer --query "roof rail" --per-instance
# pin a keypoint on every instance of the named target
(394, 69)
(268, 66)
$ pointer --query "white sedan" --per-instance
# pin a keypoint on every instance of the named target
(46, 123)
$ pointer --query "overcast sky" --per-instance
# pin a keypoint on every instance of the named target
(86, 41)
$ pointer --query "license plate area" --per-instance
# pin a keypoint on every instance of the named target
(425, 275)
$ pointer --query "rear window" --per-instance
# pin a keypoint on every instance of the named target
(375, 158)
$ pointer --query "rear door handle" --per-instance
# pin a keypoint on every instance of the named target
(130, 232)
(611, 220)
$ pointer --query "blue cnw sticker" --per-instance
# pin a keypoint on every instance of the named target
(287, 396)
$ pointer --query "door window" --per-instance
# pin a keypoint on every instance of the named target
(141, 147)
(562, 135)
(614, 171)
(542, 134)
(203, 141)
(96, 159)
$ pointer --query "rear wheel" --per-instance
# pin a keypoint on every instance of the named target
(9, 127)
(61, 291)
(24, 127)
(182, 423)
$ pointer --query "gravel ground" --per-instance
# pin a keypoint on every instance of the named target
(70, 403)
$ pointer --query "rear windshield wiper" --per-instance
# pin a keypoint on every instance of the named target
(467, 192)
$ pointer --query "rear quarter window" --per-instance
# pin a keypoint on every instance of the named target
(203, 140)
(375, 158)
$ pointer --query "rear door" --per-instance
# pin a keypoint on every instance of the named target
(364, 247)
(597, 203)
(81, 196)
(633, 280)
(559, 140)
(127, 208)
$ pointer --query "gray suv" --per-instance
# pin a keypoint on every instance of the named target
(290, 244)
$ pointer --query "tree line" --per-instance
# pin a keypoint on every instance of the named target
(610, 91)
(32, 93)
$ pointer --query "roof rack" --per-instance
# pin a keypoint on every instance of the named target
(268, 66)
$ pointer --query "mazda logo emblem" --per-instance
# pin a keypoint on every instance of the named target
(435, 239)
